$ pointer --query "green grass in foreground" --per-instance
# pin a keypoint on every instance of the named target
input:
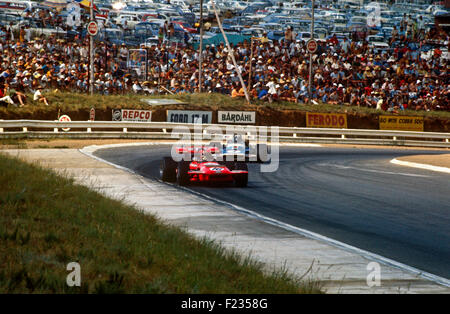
(47, 221)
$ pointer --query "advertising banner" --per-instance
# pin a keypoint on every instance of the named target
(188, 116)
(326, 120)
(132, 115)
(245, 117)
(401, 123)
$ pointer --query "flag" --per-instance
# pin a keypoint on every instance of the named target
(86, 4)
(55, 3)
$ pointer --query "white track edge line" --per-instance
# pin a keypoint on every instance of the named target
(420, 166)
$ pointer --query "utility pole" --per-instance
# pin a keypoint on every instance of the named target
(231, 53)
(311, 55)
(146, 63)
(200, 50)
(251, 64)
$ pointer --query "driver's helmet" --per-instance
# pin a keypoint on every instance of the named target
(237, 138)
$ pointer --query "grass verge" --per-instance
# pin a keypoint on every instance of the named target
(48, 221)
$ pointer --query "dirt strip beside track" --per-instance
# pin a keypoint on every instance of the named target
(432, 160)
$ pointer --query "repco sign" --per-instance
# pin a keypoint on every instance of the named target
(132, 115)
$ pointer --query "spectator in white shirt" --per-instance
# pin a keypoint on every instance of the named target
(39, 97)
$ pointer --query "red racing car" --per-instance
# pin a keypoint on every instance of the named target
(186, 172)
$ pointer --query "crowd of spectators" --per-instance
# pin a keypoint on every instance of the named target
(344, 72)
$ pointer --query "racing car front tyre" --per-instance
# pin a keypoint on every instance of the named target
(241, 180)
(168, 170)
(218, 145)
(182, 173)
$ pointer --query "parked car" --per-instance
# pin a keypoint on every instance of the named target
(6, 19)
(253, 32)
(37, 28)
(339, 30)
(376, 41)
(150, 42)
(275, 35)
(145, 30)
(128, 20)
(112, 35)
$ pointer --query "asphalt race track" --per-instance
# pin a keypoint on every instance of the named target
(351, 195)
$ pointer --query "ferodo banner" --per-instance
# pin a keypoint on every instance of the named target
(326, 120)
(188, 116)
(132, 115)
(246, 117)
(401, 123)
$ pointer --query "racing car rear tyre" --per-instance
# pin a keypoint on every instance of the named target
(241, 180)
(261, 157)
(231, 165)
(168, 170)
(182, 173)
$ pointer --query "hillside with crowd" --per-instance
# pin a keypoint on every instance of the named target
(345, 72)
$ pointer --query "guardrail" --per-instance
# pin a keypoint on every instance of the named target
(14, 129)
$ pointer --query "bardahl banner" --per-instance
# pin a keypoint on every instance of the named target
(237, 117)
(132, 115)
(188, 116)
(401, 123)
(326, 120)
